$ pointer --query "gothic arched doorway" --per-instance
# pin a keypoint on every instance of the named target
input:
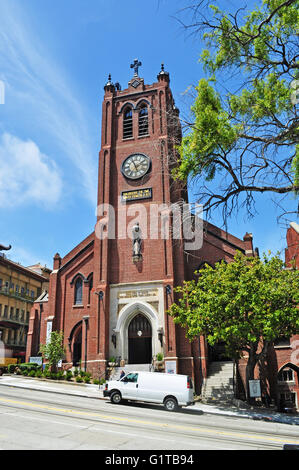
(140, 340)
(77, 348)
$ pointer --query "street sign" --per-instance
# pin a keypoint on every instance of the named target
(254, 388)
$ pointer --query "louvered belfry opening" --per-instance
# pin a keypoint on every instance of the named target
(143, 121)
(128, 124)
(140, 340)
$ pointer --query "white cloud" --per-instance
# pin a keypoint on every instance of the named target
(26, 174)
(45, 92)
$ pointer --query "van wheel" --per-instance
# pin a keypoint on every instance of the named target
(170, 404)
(116, 398)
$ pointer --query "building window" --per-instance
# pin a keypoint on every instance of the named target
(78, 291)
(90, 286)
(32, 294)
(286, 375)
(143, 121)
(127, 124)
(17, 289)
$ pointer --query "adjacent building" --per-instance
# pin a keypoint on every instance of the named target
(19, 288)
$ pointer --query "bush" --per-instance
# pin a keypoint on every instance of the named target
(11, 368)
(102, 381)
(38, 373)
(69, 375)
(96, 382)
(79, 379)
(24, 372)
(47, 374)
(29, 366)
(31, 373)
(86, 379)
(76, 372)
(60, 375)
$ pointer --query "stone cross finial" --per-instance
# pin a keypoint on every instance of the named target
(136, 64)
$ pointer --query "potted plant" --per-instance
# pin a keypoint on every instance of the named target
(112, 361)
(159, 362)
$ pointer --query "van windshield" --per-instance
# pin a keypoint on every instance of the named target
(130, 378)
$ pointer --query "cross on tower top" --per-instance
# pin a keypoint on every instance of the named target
(136, 64)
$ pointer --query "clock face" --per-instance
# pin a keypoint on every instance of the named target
(135, 166)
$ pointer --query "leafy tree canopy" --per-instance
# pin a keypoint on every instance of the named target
(54, 350)
(247, 135)
(240, 303)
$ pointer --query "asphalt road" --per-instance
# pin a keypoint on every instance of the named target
(46, 421)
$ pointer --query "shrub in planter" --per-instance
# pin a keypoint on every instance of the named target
(96, 382)
(53, 375)
(11, 368)
(102, 381)
(76, 372)
(60, 375)
(86, 379)
(79, 379)
(69, 375)
(31, 373)
(25, 372)
(38, 374)
(47, 374)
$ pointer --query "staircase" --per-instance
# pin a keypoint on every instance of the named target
(129, 368)
(218, 386)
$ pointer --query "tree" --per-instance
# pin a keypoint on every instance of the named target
(54, 350)
(246, 134)
(247, 304)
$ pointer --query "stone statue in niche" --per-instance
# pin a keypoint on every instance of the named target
(137, 240)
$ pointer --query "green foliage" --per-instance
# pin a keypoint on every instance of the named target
(11, 368)
(76, 372)
(159, 357)
(54, 350)
(96, 381)
(248, 134)
(79, 379)
(240, 303)
(69, 375)
(32, 373)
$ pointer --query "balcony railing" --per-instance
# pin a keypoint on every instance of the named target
(16, 295)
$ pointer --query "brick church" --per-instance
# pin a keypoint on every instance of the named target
(110, 294)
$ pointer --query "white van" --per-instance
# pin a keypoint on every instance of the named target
(171, 390)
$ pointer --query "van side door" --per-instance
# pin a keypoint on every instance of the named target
(129, 389)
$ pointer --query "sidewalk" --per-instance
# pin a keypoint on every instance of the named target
(93, 391)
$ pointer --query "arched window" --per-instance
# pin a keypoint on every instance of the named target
(143, 120)
(90, 286)
(78, 291)
(127, 124)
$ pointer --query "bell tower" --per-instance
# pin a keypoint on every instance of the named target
(140, 128)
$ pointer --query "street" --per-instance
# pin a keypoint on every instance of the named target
(35, 420)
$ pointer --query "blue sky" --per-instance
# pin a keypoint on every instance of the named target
(55, 57)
